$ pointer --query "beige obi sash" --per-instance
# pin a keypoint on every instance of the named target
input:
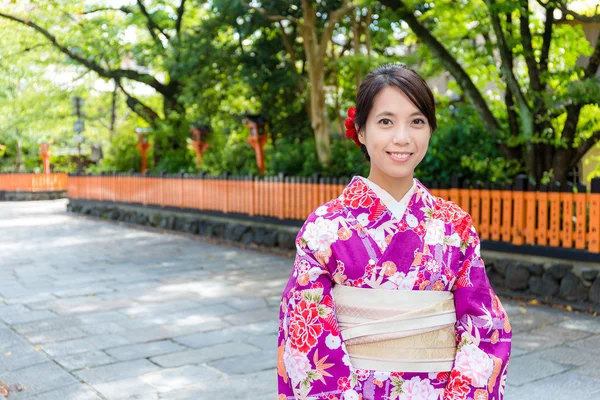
(397, 330)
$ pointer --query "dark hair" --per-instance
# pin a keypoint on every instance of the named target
(405, 79)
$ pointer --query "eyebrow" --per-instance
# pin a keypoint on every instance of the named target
(391, 114)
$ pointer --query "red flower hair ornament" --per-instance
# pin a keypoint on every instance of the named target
(350, 127)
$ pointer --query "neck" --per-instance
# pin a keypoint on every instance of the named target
(397, 187)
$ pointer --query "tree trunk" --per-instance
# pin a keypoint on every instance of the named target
(318, 112)
(316, 74)
(356, 45)
(113, 113)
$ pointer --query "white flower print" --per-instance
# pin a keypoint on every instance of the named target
(296, 363)
(412, 221)
(381, 376)
(346, 358)
(378, 236)
(321, 211)
(333, 342)
(319, 235)
(363, 219)
(302, 267)
(474, 363)
(453, 240)
(314, 273)
(436, 231)
(417, 389)
(350, 395)
(409, 280)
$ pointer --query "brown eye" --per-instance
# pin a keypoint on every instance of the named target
(385, 123)
(419, 121)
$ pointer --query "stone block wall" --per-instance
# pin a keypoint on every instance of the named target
(32, 196)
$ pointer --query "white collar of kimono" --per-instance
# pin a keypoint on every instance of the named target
(397, 208)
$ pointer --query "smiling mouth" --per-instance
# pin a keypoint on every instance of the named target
(400, 155)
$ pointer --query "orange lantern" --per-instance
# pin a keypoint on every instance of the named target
(200, 133)
(257, 125)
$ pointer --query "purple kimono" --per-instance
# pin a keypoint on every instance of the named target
(360, 239)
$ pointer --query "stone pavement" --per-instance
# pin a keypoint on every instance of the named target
(92, 310)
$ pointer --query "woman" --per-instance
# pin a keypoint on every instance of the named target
(388, 297)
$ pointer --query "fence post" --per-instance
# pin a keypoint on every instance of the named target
(519, 209)
(554, 197)
(542, 226)
(594, 239)
(580, 217)
(567, 197)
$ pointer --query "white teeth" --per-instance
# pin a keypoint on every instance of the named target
(400, 155)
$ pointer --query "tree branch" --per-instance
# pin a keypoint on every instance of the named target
(180, 12)
(582, 18)
(267, 16)
(547, 38)
(532, 66)
(151, 24)
(86, 62)
(148, 114)
(124, 9)
(288, 44)
(511, 80)
(584, 148)
(333, 19)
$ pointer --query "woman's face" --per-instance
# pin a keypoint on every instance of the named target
(396, 134)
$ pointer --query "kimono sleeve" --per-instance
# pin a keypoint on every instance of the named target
(312, 358)
(483, 332)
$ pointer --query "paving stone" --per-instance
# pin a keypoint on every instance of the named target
(37, 379)
(570, 356)
(101, 317)
(242, 304)
(589, 344)
(27, 317)
(565, 386)
(586, 324)
(55, 335)
(46, 325)
(72, 392)
(265, 360)
(545, 337)
(530, 368)
(169, 331)
(144, 350)
(206, 354)
(205, 339)
(248, 317)
(179, 378)
(84, 345)
(19, 356)
(240, 387)
(84, 360)
(114, 372)
(130, 388)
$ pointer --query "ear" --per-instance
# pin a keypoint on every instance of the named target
(361, 135)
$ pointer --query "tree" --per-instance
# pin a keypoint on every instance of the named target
(549, 100)
(316, 40)
(150, 60)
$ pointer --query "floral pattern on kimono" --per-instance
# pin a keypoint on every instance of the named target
(355, 240)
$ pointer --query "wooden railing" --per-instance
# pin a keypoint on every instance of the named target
(520, 214)
(33, 182)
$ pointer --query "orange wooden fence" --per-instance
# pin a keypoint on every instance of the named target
(567, 218)
(33, 182)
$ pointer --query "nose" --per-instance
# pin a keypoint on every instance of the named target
(401, 136)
